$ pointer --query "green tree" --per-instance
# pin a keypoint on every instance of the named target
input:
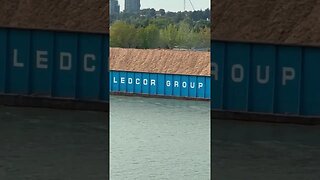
(161, 22)
(168, 36)
(148, 37)
(204, 38)
(152, 36)
(184, 35)
(188, 29)
(122, 35)
(162, 12)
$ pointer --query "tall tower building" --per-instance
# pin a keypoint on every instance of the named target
(132, 6)
(114, 7)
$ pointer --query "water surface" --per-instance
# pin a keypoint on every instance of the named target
(264, 151)
(154, 139)
(42, 144)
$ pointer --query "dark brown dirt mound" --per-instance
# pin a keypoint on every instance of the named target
(160, 61)
(73, 15)
(275, 21)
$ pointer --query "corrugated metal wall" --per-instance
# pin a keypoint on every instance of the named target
(55, 64)
(160, 84)
(266, 78)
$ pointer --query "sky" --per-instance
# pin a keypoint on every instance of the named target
(171, 5)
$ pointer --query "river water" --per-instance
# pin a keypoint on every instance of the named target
(152, 139)
(42, 144)
(264, 151)
(155, 139)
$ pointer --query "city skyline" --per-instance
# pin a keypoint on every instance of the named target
(174, 6)
(132, 6)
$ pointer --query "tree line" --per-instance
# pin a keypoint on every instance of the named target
(158, 29)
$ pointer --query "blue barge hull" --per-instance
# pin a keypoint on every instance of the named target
(253, 81)
(54, 64)
(160, 85)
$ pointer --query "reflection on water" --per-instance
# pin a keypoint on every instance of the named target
(159, 139)
(52, 144)
(264, 151)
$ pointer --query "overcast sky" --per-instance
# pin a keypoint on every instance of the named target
(171, 5)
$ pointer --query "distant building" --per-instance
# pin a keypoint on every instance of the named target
(132, 6)
(114, 7)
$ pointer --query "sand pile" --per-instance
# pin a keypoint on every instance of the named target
(74, 15)
(160, 61)
(275, 21)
